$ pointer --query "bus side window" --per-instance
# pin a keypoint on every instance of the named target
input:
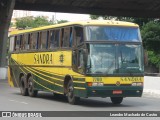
(15, 40)
(34, 41)
(62, 37)
(78, 35)
(21, 42)
(71, 37)
(26, 41)
(11, 44)
(66, 37)
(52, 37)
(43, 39)
(57, 38)
(47, 41)
(17, 43)
(39, 42)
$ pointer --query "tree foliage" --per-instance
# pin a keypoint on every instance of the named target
(151, 41)
(151, 36)
(62, 21)
(32, 22)
(154, 58)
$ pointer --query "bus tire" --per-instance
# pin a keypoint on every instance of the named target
(31, 91)
(23, 88)
(116, 100)
(70, 94)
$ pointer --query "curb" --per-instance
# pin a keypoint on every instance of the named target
(152, 74)
(151, 93)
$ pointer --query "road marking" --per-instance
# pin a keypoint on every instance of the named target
(18, 101)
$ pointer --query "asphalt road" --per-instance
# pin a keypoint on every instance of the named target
(11, 100)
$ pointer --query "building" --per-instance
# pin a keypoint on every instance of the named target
(21, 13)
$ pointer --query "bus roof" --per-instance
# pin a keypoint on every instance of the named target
(83, 23)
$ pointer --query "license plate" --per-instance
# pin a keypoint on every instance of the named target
(117, 91)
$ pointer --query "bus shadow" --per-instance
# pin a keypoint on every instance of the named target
(85, 102)
(98, 103)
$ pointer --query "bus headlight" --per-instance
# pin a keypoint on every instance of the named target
(100, 84)
(94, 84)
(134, 84)
(137, 84)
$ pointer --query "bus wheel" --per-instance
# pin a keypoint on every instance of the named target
(31, 91)
(70, 94)
(23, 89)
(116, 100)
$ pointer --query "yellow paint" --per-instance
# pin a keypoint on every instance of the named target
(47, 87)
(56, 68)
(43, 58)
(113, 80)
(80, 88)
(10, 81)
(78, 81)
(38, 75)
(83, 23)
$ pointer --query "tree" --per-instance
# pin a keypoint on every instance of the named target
(41, 21)
(62, 21)
(32, 22)
(151, 36)
(151, 41)
(22, 23)
(94, 17)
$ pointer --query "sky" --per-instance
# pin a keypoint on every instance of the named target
(62, 16)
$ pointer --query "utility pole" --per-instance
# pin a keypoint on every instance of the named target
(6, 9)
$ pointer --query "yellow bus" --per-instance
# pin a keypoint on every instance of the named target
(96, 58)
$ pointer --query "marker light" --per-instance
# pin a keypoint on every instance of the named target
(95, 84)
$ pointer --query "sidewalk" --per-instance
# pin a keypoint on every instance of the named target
(151, 86)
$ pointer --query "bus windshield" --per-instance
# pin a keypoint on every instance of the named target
(114, 59)
(114, 33)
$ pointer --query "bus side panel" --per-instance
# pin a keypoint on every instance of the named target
(79, 88)
(10, 78)
(13, 71)
(47, 81)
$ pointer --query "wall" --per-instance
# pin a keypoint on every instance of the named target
(3, 73)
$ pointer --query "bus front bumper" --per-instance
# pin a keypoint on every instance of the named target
(115, 91)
